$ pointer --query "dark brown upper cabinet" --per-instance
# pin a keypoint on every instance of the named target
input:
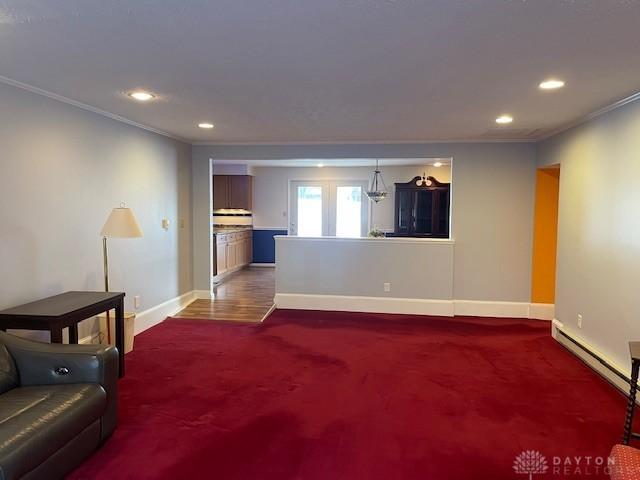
(422, 208)
(220, 191)
(232, 191)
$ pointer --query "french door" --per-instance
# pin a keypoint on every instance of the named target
(328, 208)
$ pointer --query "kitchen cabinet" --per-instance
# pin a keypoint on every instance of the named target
(221, 254)
(232, 191)
(220, 192)
(233, 250)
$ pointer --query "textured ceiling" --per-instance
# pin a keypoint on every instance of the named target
(329, 70)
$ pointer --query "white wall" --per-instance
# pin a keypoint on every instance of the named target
(271, 189)
(492, 210)
(62, 170)
(598, 259)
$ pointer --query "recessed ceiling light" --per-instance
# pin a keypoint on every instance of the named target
(142, 96)
(206, 126)
(320, 165)
(551, 84)
(503, 119)
(437, 164)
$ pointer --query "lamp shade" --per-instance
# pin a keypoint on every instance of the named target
(121, 223)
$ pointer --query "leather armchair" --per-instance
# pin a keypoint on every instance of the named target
(58, 403)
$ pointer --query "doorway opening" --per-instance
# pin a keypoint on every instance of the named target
(545, 236)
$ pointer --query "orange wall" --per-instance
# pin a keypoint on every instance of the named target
(545, 234)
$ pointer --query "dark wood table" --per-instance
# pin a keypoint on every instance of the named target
(66, 311)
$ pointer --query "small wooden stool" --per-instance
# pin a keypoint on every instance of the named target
(634, 349)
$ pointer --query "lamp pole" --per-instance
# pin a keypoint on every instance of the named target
(121, 223)
(105, 257)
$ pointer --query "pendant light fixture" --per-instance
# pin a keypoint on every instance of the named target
(377, 189)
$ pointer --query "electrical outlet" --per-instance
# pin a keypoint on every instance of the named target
(579, 320)
(165, 223)
(387, 287)
(136, 302)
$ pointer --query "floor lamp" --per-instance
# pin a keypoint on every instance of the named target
(121, 223)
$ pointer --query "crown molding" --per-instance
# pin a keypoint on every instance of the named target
(550, 133)
(90, 108)
(591, 116)
(365, 142)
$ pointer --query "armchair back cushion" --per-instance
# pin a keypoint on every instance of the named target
(8, 372)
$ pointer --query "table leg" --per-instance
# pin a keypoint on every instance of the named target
(56, 334)
(73, 333)
(120, 335)
(631, 404)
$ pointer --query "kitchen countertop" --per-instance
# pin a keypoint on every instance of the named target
(225, 229)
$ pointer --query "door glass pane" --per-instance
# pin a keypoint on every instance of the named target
(348, 211)
(310, 211)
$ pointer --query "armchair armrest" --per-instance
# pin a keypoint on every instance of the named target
(54, 364)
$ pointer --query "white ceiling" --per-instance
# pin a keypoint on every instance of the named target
(335, 162)
(329, 70)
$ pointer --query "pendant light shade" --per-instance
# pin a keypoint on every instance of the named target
(377, 189)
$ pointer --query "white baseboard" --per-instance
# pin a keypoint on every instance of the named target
(344, 303)
(542, 311)
(262, 264)
(413, 306)
(476, 308)
(155, 315)
(202, 294)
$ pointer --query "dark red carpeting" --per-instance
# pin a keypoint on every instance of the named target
(332, 396)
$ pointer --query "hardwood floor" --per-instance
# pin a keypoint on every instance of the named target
(244, 296)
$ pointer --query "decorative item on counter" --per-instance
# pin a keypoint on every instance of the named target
(376, 233)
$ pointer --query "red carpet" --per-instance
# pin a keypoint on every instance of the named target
(332, 396)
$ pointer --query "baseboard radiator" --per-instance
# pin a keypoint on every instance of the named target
(612, 370)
